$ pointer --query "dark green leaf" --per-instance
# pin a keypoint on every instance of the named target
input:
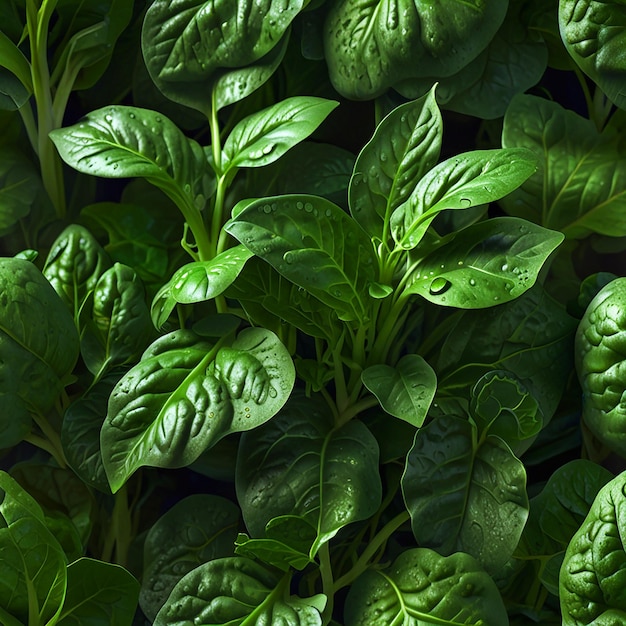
(298, 464)
(186, 394)
(99, 594)
(422, 587)
(467, 180)
(264, 136)
(12, 58)
(314, 244)
(195, 530)
(404, 391)
(404, 147)
(19, 186)
(465, 494)
(371, 46)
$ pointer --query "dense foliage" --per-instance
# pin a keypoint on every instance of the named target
(310, 312)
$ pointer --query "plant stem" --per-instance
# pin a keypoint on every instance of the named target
(54, 445)
(327, 583)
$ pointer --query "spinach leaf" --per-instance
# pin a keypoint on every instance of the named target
(299, 464)
(590, 584)
(19, 187)
(185, 394)
(423, 587)
(194, 531)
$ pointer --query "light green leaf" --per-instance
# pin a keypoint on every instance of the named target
(298, 464)
(264, 136)
(404, 391)
(196, 530)
(422, 587)
(469, 179)
(488, 263)
(464, 494)
(186, 394)
(314, 244)
(404, 147)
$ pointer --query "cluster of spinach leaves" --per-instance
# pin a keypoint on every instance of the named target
(289, 291)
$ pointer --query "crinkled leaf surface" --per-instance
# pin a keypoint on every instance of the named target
(406, 390)
(190, 45)
(264, 136)
(491, 262)
(373, 45)
(99, 594)
(33, 566)
(591, 582)
(297, 464)
(196, 530)
(600, 354)
(237, 591)
(186, 394)
(469, 179)
(316, 245)
(593, 33)
(465, 494)
(580, 186)
(38, 345)
(406, 144)
(421, 588)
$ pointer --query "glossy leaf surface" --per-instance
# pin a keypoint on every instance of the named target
(422, 587)
(314, 244)
(186, 394)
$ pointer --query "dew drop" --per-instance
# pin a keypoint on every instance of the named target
(504, 267)
(132, 116)
(472, 282)
(267, 208)
(308, 207)
(439, 285)
(299, 205)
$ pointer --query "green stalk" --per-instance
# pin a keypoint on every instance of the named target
(328, 586)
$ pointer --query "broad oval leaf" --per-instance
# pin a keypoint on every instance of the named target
(196, 530)
(264, 136)
(19, 186)
(298, 464)
(488, 263)
(467, 180)
(372, 46)
(237, 591)
(191, 44)
(404, 391)
(38, 345)
(199, 281)
(33, 578)
(99, 594)
(423, 587)
(591, 579)
(186, 394)
(405, 145)
(593, 33)
(316, 245)
(464, 494)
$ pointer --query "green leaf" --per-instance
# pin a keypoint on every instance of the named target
(19, 186)
(99, 594)
(580, 186)
(314, 244)
(33, 565)
(12, 58)
(124, 141)
(591, 579)
(599, 363)
(195, 530)
(404, 391)
(199, 281)
(299, 464)
(74, 265)
(404, 147)
(264, 136)
(488, 263)
(469, 179)
(236, 591)
(119, 329)
(38, 345)
(190, 47)
(423, 587)
(80, 434)
(372, 46)
(186, 394)
(465, 494)
(593, 34)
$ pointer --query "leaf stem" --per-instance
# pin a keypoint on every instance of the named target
(327, 583)
(54, 445)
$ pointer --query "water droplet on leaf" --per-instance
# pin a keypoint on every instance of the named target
(439, 285)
